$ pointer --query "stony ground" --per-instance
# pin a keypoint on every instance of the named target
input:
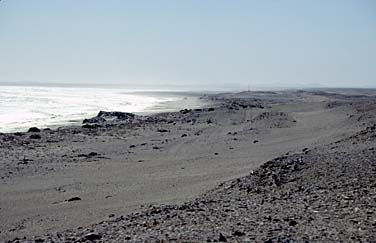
(322, 193)
(325, 194)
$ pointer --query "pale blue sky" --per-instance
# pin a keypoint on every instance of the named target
(264, 43)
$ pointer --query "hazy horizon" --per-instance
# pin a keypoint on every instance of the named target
(208, 44)
(184, 87)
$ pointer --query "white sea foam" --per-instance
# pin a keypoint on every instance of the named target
(24, 107)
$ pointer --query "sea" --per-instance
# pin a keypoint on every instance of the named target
(22, 107)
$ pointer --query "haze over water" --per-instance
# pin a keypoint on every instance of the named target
(24, 107)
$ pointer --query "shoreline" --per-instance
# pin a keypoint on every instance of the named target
(165, 101)
(76, 177)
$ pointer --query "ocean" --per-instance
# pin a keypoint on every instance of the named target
(23, 107)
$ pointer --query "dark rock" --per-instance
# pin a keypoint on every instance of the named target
(184, 135)
(255, 141)
(94, 120)
(185, 111)
(89, 126)
(163, 130)
(222, 238)
(292, 222)
(118, 114)
(39, 240)
(25, 161)
(211, 109)
(91, 154)
(92, 237)
(35, 136)
(33, 129)
(238, 233)
(73, 199)
(105, 116)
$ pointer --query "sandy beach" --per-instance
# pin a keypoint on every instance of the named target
(224, 172)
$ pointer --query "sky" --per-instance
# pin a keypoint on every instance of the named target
(294, 43)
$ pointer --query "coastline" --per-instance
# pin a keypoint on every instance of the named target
(54, 107)
(76, 177)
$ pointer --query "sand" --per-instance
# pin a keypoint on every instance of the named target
(72, 178)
